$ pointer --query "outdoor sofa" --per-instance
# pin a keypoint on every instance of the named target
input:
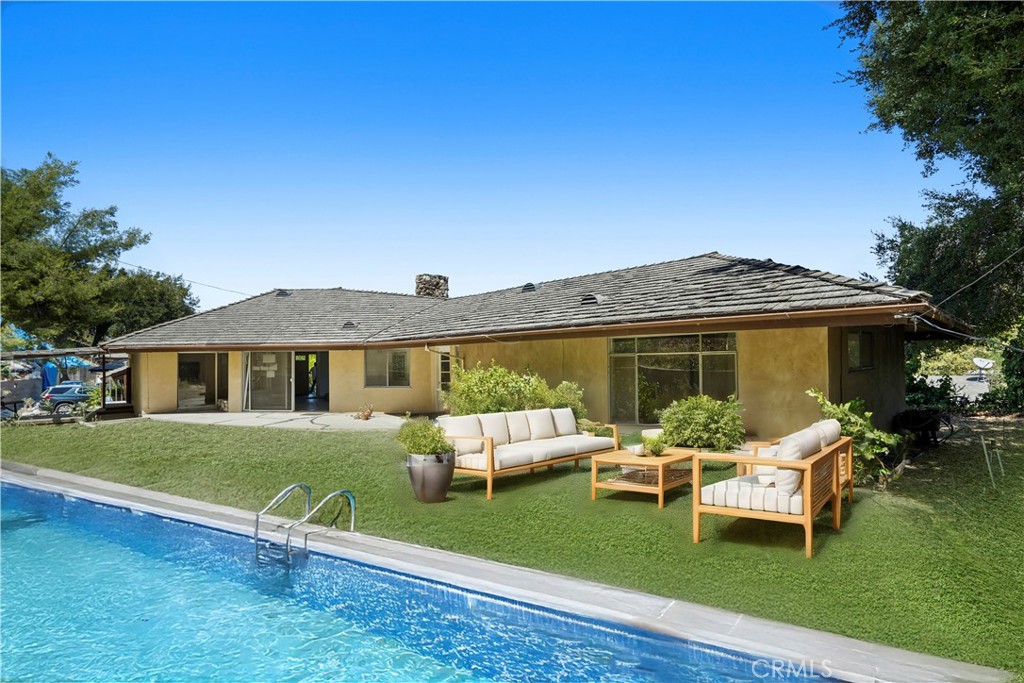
(495, 444)
(789, 480)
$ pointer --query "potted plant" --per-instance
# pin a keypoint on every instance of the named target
(431, 459)
(654, 445)
(704, 423)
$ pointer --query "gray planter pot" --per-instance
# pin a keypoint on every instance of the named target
(431, 476)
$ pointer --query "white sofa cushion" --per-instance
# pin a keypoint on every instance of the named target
(652, 433)
(495, 426)
(463, 425)
(565, 421)
(751, 493)
(518, 426)
(829, 431)
(588, 444)
(542, 425)
(539, 451)
(767, 452)
(478, 461)
(796, 446)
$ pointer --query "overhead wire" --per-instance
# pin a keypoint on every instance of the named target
(971, 337)
(191, 282)
(980, 278)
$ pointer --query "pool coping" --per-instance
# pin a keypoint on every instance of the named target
(767, 641)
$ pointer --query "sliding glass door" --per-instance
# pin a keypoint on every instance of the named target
(267, 380)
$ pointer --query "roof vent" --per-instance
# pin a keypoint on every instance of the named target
(593, 299)
(530, 287)
(283, 292)
(350, 325)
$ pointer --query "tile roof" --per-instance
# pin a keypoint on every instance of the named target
(705, 286)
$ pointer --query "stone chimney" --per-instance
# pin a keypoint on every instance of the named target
(432, 285)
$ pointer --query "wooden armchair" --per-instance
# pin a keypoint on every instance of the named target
(754, 496)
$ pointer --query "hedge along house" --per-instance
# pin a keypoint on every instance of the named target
(634, 339)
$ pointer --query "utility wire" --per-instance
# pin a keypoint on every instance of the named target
(983, 276)
(928, 322)
(191, 282)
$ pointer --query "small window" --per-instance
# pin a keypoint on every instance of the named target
(387, 368)
(860, 351)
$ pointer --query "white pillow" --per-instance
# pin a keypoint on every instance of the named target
(542, 425)
(771, 452)
(829, 431)
(565, 421)
(464, 425)
(518, 426)
(795, 447)
(495, 426)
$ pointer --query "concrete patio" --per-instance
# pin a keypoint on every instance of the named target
(325, 422)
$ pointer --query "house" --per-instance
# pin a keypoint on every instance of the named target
(634, 339)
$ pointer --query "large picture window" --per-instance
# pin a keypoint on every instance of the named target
(387, 368)
(648, 373)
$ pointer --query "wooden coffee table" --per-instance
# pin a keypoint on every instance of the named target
(658, 473)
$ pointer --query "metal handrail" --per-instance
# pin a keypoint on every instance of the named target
(278, 499)
(335, 494)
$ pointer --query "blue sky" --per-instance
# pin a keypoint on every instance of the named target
(271, 145)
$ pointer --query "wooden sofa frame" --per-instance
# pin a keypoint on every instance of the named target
(819, 483)
(490, 473)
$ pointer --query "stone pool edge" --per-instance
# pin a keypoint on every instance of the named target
(833, 655)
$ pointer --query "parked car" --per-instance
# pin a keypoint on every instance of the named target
(65, 396)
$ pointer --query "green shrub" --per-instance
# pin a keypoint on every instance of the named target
(703, 422)
(496, 389)
(422, 437)
(941, 396)
(954, 359)
(1013, 371)
(595, 428)
(874, 450)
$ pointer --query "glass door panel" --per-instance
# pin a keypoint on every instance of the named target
(663, 379)
(268, 380)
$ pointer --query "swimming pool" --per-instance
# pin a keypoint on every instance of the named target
(95, 592)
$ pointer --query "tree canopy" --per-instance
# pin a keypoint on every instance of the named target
(60, 279)
(950, 77)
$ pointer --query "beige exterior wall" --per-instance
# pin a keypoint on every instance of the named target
(154, 382)
(234, 381)
(882, 387)
(583, 361)
(774, 370)
(348, 391)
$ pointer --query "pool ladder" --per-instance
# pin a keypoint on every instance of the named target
(310, 511)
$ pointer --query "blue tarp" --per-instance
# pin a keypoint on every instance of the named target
(49, 375)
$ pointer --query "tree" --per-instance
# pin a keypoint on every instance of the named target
(59, 278)
(140, 299)
(950, 77)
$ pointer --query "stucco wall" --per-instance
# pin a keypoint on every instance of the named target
(155, 382)
(234, 381)
(882, 387)
(775, 369)
(347, 371)
(583, 361)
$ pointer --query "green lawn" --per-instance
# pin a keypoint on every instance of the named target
(934, 565)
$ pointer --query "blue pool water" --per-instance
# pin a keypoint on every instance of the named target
(98, 593)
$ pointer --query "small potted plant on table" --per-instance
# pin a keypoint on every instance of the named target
(431, 459)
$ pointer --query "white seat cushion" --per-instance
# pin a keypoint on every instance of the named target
(502, 460)
(588, 444)
(495, 426)
(542, 424)
(539, 451)
(464, 425)
(796, 446)
(751, 493)
(518, 426)
(652, 433)
(565, 421)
